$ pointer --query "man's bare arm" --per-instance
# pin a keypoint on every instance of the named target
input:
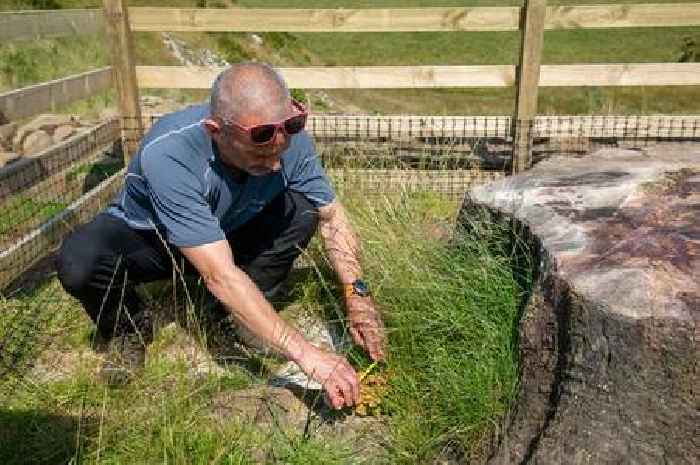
(340, 242)
(343, 247)
(242, 298)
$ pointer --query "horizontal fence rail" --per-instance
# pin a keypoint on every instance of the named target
(48, 24)
(396, 77)
(28, 101)
(408, 19)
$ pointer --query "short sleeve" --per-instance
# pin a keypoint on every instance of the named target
(308, 176)
(178, 200)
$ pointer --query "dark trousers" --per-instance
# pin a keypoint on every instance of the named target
(101, 261)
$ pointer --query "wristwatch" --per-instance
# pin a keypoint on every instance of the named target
(357, 287)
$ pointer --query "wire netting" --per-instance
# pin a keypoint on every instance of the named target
(44, 197)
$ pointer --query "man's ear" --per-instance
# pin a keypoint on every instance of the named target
(213, 126)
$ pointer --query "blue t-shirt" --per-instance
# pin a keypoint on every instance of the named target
(177, 183)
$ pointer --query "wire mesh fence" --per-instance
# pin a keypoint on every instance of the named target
(45, 197)
(40, 195)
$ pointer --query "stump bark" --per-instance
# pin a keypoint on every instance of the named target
(608, 340)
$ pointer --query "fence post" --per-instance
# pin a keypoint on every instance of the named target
(527, 81)
(123, 67)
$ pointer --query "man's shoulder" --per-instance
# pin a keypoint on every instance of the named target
(178, 123)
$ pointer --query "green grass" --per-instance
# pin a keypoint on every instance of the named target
(23, 209)
(450, 307)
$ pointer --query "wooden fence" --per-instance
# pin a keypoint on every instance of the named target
(532, 20)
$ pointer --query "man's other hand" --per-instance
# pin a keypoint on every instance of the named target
(338, 378)
(366, 326)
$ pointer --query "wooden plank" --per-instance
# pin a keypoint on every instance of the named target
(47, 96)
(325, 20)
(621, 74)
(619, 16)
(528, 75)
(123, 62)
(373, 77)
(47, 24)
(402, 77)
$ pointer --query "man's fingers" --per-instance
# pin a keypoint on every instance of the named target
(358, 337)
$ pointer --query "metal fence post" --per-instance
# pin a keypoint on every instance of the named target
(527, 81)
(123, 66)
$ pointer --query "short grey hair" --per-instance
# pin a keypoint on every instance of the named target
(232, 94)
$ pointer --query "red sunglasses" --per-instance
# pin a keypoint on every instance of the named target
(263, 134)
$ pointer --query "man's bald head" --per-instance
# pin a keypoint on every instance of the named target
(247, 89)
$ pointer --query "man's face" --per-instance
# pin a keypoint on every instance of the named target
(238, 150)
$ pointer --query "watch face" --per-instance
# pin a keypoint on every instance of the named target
(360, 288)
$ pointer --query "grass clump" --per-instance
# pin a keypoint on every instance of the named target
(450, 302)
(451, 306)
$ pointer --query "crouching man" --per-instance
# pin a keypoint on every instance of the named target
(236, 189)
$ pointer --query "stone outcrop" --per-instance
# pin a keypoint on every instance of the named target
(36, 141)
(608, 340)
(57, 127)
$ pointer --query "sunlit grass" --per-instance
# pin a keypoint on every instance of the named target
(450, 302)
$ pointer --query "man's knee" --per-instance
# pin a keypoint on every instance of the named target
(75, 264)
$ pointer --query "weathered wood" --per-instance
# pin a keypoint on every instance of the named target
(47, 96)
(619, 16)
(401, 77)
(47, 24)
(528, 75)
(325, 20)
(409, 19)
(621, 74)
(372, 77)
(123, 64)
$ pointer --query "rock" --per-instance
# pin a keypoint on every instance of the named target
(7, 132)
(608, 341)
(62, 133)
(36, 142)
(8, 157)
(47, 123)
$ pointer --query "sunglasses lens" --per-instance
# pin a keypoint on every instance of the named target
(295, 124)
(263, 133)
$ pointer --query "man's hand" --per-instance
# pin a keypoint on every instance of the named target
(338, 378)
(366, 326)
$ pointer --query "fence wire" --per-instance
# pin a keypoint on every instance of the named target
(44, 197)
